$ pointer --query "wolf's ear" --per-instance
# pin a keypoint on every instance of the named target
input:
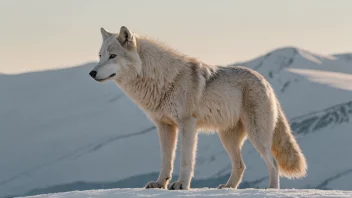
(125, 35)
(105, 33)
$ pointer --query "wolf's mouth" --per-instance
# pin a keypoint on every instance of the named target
(104, 79)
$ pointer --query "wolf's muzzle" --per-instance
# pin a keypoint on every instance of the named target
(93, 74)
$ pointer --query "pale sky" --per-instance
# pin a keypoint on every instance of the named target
(48, 34)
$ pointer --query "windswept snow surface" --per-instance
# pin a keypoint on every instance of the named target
(207, 193)
(62, 131)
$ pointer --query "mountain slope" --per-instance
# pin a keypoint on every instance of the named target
(289, 70)
(60, 127)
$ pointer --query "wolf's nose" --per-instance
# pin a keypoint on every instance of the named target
(93, 74)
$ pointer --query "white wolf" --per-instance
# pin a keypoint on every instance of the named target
(182, 95)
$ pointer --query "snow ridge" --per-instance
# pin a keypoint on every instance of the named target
(341, 113)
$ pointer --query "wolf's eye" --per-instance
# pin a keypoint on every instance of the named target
(112, 56)
(99, 55)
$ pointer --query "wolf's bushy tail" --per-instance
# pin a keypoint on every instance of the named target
(292, 163)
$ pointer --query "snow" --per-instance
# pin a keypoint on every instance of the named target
(336, 79)
(243, 193)
(60, 130)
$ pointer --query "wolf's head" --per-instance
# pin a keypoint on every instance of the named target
(118, 55)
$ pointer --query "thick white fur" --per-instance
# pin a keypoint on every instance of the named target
(182, 95)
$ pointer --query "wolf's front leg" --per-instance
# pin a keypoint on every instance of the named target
(188, 153)
(168, 138)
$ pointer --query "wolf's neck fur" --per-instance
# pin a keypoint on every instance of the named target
(160, 66)
(159, 61)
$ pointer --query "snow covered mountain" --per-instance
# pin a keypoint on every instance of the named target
(62, 131)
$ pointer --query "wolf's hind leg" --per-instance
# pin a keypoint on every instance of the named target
(168, 139)
(261, 134)
(232, 140)
(270, 161)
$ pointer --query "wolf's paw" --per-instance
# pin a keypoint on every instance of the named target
(153, 184)
(224, 186)
(178, 186)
